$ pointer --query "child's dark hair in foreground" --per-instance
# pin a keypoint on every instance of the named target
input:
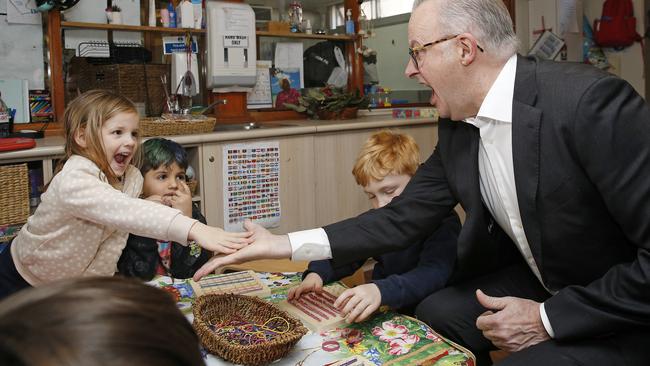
(95, 321)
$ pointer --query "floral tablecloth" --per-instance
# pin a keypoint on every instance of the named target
(387, 338)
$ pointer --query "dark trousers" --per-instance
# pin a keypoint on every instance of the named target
(453, 311)
(10, 279)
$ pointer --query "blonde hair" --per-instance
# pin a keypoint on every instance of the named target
(386, 152)
(88, 112)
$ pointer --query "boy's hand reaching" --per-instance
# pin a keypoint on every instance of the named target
(312, 283)
(359, 303)
(217, 240)
(264, 246)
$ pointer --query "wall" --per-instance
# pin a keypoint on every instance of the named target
(391, 43)
(628, 63)
(21, 52)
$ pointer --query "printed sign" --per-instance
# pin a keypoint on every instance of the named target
(235, 41)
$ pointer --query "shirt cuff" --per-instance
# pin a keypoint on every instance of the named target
(310, 245)
(546, 321)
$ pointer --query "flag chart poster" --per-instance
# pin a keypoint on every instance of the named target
(251, 182)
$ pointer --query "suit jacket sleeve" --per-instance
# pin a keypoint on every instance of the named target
(329, 273)
(409, 218)
(612, 142)
(432, 272)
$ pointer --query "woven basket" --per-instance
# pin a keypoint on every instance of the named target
(169, 126)
(217, 308)
(14, 194)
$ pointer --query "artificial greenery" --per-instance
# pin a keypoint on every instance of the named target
(328, 99)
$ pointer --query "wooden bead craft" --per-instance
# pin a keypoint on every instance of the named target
(316, 310)
(241, 283)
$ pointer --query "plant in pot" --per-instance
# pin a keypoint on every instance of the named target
(329, 103)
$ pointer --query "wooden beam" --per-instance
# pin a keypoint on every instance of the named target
(57, 86)
(355, 77)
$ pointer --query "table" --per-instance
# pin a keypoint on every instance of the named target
(387, 338)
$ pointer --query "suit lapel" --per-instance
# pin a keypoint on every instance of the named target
(526, 124)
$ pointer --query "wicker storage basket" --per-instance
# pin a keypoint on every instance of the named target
(14, 194)
(124, 79)
(217, 308)
(177, 125)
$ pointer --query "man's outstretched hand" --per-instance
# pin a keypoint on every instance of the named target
(264, 245)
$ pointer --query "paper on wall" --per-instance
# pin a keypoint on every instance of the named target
(251, 181)
(260, 96)
(21, 54)
(288, 55)
(568, 17)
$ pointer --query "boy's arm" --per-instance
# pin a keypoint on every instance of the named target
(328, 273)
(432, 272)
(139, 258)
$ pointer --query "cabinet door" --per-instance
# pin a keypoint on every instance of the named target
(296, 182)
(338, 196)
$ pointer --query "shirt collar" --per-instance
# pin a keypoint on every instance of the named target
(497, 104)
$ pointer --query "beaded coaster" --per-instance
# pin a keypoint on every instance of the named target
(241, 283)
(317, 311)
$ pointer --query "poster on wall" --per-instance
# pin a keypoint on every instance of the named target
(251, 181)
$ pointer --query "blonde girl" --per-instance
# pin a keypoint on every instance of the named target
(91, 205)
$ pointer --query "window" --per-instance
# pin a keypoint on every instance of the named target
(388, 8)
(373, 9)
(337, 16)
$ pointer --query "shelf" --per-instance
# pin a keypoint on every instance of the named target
(142, 28)
(306, 36)
(130, 28)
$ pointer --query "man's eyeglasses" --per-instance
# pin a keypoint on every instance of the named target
(413, 52)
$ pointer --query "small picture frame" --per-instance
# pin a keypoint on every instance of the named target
(547, 46)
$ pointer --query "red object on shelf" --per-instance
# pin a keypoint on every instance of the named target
(16, 143)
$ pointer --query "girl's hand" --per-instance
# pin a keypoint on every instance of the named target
(264, 246)
(182, 199)
(359, 303)
(217, 240)
(312, 283)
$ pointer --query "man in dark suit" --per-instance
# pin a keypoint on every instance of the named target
(551, 162)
